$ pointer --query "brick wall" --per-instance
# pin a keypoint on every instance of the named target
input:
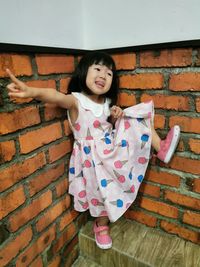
(38, 224)
(169, 198)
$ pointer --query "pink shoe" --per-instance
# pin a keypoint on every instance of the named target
(168, 146)
(102, 241)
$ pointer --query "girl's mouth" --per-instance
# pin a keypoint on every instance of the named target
(100, 84)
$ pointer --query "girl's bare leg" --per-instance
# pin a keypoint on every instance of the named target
(155, 139)
(102, 221)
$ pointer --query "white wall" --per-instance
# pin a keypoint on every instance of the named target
(98, 24)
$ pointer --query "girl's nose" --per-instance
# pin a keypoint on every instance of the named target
(103, 74)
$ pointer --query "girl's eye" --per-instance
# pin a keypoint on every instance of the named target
(110, 74)
(98, 69)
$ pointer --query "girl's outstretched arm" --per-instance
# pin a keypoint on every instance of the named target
(19, 89)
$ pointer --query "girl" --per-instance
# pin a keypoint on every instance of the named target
(107, 164)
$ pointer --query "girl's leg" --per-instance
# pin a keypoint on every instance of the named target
(102, 221)
(155, 139)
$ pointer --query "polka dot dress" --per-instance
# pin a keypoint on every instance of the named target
(107, 165)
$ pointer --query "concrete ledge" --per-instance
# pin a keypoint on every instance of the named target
(135, 245)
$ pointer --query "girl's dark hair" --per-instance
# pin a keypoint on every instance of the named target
(78, 80)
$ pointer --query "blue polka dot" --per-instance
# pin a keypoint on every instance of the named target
(130, 175)
(119, 203)
(140, 178)
(72, 170)
(103, 183)
(86, 149)
(145, 137)
(107, 134)
(123, 143)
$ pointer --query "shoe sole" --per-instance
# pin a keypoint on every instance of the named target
(103, 246)
(174, 144)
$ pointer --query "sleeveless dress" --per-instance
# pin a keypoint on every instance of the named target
(107, 164)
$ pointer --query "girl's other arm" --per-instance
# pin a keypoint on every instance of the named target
(19, 89)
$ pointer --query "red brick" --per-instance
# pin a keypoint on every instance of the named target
(14, 246)
(64, 83)
(166, 58)
(125, 61)
(168, 102)
(37, 262)
(159, 121)
(18, 119)
(141, 217)
(187, 124)
(18, 171)
(67, 218)
(185, 82)
(150, 190)
(52, 111)
(142, 81)
(194, 145)
(196, 187)
(11, 201)
(58, 151)
(36, 248)
(53, 213)
(185, 164)
(67, 128)
(7, 151)
(45, 178)
(64, 238)
(18, 64)
(162, 177)
(182, 200)
(126, 100)
(62, 187)
(191, 218)
(38, 84)
(55, 262)
(30, 211)
(48, 64)
(37, 138)
(159, 207)
(180, 231)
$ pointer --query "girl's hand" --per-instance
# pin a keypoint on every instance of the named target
(18, 88)
(116, 112)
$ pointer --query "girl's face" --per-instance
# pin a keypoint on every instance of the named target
(99, 79)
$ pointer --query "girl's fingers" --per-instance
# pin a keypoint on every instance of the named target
(12, 76)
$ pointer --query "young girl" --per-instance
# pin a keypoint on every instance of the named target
(108, 163)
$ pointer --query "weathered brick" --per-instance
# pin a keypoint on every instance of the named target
(14, 246)
(62, 187)
(37, 138)
(18, 64)
(45, 178)
(37, 247)
(11, 201)
(125, 61)
(18, 171)
(185, 82)
(142, 81)
(166, 58)
(7, 151)
(159, 121)
(198, 104)
(141, 217)
(126, 100)
(30, 211)
(182, 200)
(67, 218)
(150, 190)
(168, 102)
(52, 213)
(55, 262)
(18, 119)
(48, 64)
(191, 218)
(194, 145)
(58, 151)
(37, 262)
(52, 111)
(187, 124)
(196, 187)
(64, 83)
(185, 164)
(159, 207)
(180, 231)
(162, 177)
(67, 128)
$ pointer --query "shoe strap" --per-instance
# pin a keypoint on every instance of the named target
(98, 229)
